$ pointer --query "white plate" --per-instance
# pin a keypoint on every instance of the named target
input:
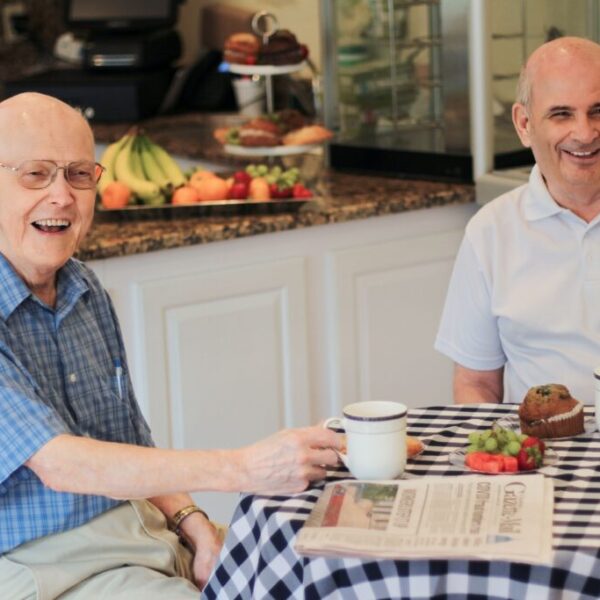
(457, 459)
(512, 422)
(269, 150)
(265, 69)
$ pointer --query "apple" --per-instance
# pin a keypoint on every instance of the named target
(238, 191)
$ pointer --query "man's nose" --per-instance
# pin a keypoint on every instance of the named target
(586, 130)
(59, 190)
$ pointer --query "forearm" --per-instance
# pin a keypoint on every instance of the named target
(472, 387)
(85, 466)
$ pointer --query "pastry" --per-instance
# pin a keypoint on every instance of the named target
(282, 48)
(259, 132)
(309, 134)
(414, 446)
(549, 411)
(241, 48)
(289, 119)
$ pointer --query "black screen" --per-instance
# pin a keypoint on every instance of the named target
(120, 14)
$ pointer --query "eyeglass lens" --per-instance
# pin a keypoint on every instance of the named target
(39, 174)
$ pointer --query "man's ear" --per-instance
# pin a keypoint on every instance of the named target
(521, 122)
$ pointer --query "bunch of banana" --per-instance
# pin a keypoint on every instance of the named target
(143, 166)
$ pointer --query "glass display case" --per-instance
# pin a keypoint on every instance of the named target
(425, 87)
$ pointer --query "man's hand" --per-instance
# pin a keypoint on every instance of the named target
(206, 541)
(289, 460)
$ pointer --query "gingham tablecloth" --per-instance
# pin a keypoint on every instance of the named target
(258, 559)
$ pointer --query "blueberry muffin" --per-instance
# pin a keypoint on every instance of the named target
(549, 411)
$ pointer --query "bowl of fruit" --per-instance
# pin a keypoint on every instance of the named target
(500, 450)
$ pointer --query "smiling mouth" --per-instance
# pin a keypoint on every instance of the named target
(52, 225)
(579, 154)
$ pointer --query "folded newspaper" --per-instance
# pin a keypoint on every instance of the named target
(503, 517)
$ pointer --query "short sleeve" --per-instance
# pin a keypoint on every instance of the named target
(26, 422)
(468, 331)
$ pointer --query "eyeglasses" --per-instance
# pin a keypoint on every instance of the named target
(39, 174)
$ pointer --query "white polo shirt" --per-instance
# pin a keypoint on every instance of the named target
(525, 293)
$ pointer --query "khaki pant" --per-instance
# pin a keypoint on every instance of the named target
(126, 553)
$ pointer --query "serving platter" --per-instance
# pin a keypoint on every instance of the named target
(200, 209)
(457, 459)
(512, 422)
(270, 150)
(265, 69)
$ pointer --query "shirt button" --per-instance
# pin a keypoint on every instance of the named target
(72, 377)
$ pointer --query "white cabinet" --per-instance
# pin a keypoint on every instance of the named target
(230, 341)
(389, 298)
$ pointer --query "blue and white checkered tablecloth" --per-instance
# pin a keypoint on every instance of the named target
(258, 559)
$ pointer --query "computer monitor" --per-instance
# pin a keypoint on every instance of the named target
(119, 15)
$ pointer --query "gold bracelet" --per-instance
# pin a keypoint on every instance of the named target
(184, 513)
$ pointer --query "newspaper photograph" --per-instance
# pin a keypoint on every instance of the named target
(491, 517)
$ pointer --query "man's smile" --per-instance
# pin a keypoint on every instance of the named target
(52, 225)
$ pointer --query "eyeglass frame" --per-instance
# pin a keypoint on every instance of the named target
(57, 169)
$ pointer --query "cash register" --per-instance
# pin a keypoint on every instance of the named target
(127, 60)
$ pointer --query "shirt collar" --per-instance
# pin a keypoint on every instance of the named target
(71, 285)
(539, 204)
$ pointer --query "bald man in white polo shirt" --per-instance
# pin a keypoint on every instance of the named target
(523, 305)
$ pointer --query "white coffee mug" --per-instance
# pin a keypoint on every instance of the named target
(376, 438)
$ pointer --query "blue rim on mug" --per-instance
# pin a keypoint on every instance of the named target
(389, 417)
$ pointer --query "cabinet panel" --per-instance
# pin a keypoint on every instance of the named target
(225, 358)
(390, 298)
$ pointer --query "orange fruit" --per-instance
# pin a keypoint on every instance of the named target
(115, 195)
(186, 194)
(211, 188)
(198, 176)
(259, 189)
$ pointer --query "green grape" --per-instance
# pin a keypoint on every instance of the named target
(513, 447)
(472, 448)
(523, 437)
(486, 434)
(276, 171)
(262, 170)
(491, 445)
(474, 437)
(512, 436)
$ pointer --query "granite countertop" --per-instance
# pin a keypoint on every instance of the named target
(342, 197)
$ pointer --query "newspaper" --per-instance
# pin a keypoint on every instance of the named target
(501, 517)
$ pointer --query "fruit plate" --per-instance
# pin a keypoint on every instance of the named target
(457, 459)
(270, 150)
(219, 208)
(265, 69)
(512, 422)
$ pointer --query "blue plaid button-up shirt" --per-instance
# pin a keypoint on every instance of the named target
(62, 370)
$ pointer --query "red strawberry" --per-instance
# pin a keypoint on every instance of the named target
(280, 192)
(242, 177)
(533, 442)
(529, 459)
(300, 191)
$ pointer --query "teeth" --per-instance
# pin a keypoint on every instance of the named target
(52, 223)
(581, 154)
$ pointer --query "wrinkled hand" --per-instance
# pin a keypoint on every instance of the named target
(207, 541)
(289, 460)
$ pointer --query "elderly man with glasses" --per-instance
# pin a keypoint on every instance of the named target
(85, 498)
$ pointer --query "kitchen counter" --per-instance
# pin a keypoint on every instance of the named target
(342, 197)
